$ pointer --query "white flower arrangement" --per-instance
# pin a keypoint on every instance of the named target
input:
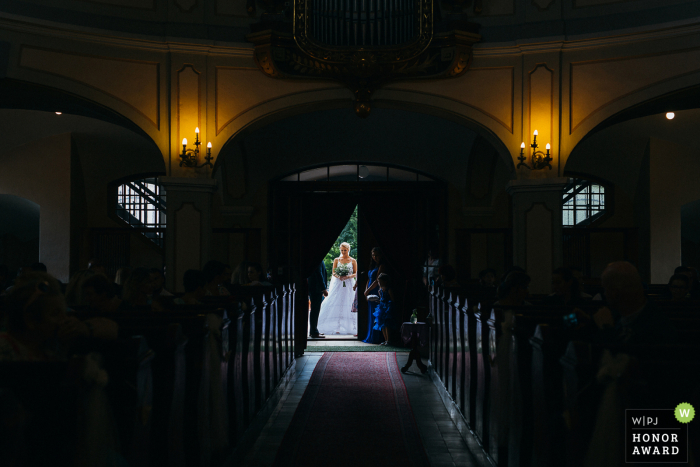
(343, 270)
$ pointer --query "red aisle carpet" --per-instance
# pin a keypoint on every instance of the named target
(354, 412)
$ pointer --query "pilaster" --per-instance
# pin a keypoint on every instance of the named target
(537, 228)
(188, 231)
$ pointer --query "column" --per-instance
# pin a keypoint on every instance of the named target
(188, 231)
(537, 228)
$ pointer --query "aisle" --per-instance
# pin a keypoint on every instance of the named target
(439, 436)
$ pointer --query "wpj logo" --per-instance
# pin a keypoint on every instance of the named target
(655, 436)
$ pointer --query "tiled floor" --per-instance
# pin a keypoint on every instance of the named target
(443, 443)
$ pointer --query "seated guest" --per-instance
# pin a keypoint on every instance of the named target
(514, 289)
(98, 292)
(679, 287)
(214, 273)
(38, 267)
(96, 266)
(448, 276)
(158, 281)
(692, 279)
(255, 275)
(74, 293)
(194, 283)
(566, 291)
(38, 327)
(629, 317)
(240, 274)
(487, 278)
(121, 278)
(138, 288)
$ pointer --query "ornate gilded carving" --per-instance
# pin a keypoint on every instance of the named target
(363, 69)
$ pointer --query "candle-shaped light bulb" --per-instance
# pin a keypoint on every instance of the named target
(522, 145)
(209, 145)
(184, 142)
(196, 130)
(548, 146)
(536, 133)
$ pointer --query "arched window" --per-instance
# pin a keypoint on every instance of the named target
(583, 202)
(357, 173)
(141, 204)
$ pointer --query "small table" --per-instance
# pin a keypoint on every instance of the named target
(417, 336)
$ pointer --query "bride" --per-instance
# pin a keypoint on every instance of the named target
(336, 316)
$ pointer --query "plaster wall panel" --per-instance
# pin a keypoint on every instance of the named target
(538, 231)
(187, 239)
(231, 8)
(133, 82)
(188, 107)
(598, 83)
(239, 90)
(137, 4)
(673, 183)
(40, 171)
(498, 8)
(541, 106)
(487, 90)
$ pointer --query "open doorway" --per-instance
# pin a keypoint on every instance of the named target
(338, 313)
(399, 210)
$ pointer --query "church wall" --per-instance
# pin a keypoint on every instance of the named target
(40, 171)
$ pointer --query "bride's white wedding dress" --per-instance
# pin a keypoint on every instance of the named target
(335, 317)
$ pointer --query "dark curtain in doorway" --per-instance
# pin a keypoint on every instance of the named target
(391, 216)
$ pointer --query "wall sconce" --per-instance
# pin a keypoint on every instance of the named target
(189, 157)
(540, 160)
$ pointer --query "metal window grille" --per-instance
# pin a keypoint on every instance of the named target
(141, 204)
(583, 202)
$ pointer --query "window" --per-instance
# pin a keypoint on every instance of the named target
(357, 172)
(141, 204)
(583, 203)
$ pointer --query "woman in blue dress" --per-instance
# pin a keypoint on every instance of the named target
(384, 314)
(376, 267)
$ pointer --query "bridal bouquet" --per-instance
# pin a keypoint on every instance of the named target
(344, 270)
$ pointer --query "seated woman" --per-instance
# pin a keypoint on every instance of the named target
(679, 288)
(38, 327)
(138, 288)
(448, 276)
(255, 275)
(566, 291)
(98, 292)
(215, 275)
(194, 282)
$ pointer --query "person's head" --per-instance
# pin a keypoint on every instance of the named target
(679, 285)
(564, 284)
(345, 249)
(516, 286)
(228, 272)
(194, 282)
(38, 267)
(138, 286)
(686, 271)
(157, 279)
(487, 277)
(447, 273)
(254, 272)
(240, 274)
(384, 281)
(97, 290)
(623, 287)
(377, 255)
(214, 272)
(35, 308)
(577, 272)
(96, 266)
(74, 291)
(122, 275)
